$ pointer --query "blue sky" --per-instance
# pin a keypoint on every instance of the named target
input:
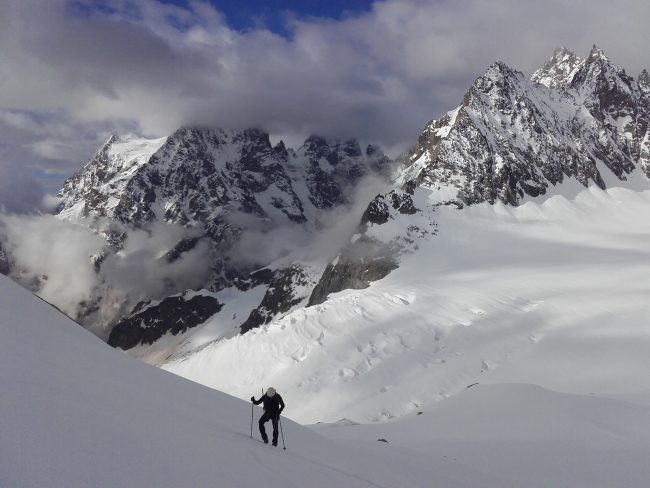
(271, 14)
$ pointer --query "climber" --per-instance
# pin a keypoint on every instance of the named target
(273, 406)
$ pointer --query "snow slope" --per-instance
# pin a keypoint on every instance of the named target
(518, 435)
(76, 413)
(551, 293)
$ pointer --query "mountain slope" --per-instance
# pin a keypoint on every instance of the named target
(74, 412)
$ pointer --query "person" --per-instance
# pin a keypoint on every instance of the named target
(273, 406)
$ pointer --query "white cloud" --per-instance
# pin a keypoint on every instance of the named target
(56, 259)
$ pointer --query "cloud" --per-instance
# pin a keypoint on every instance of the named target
(380, 76)
(57, 259)
(54, 256)
(300, 243)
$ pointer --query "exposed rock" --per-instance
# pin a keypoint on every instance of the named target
(281, 295)
(5, 268)
(148, 323)
(362, 262)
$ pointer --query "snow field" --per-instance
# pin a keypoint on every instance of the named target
(550, 293)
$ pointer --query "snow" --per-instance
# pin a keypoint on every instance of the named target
(510, 349)
(444, 131)
(551, 293)
(517, 435)
(76, 413)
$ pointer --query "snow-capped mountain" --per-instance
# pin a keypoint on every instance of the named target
(576, 121)
(221, 186)
(513, 137)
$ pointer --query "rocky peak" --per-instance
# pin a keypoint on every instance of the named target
(511, 138)
(497, 80)
(559, 70)
(604, 88)
(332, 149)
(596, 54)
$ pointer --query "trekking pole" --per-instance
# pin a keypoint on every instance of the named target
(281, 432)
(252, 406)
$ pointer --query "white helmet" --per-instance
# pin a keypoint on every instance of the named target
(270, 392)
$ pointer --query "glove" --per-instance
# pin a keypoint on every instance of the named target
(253, 399)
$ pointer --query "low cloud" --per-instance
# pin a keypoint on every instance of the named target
(57, 259)
(318, 243)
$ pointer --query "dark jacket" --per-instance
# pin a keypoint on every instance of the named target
(273, 405)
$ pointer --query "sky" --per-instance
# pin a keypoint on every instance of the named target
(74, 71)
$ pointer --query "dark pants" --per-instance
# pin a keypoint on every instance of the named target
(274, 420)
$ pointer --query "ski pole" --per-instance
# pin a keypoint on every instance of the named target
(284, 446)
(252, 406)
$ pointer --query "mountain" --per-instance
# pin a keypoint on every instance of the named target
(228, 190)
(249, 211)
(513, 137)
(576, 121)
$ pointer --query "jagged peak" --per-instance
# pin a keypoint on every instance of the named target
(499, 67)
(596, 54)
(111, 140)
(559, 70)
(498, 74)
(222, 135)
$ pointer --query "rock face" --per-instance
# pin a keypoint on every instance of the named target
(513, 137)
(510, 138)
(367, 258)
(5, 269)
(220, 185)
(149, 322)
(285, 290)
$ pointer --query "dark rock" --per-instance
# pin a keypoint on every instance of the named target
(5, 267)
(279, 297)
(173, 314)
(359, 264)
(376, 213)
